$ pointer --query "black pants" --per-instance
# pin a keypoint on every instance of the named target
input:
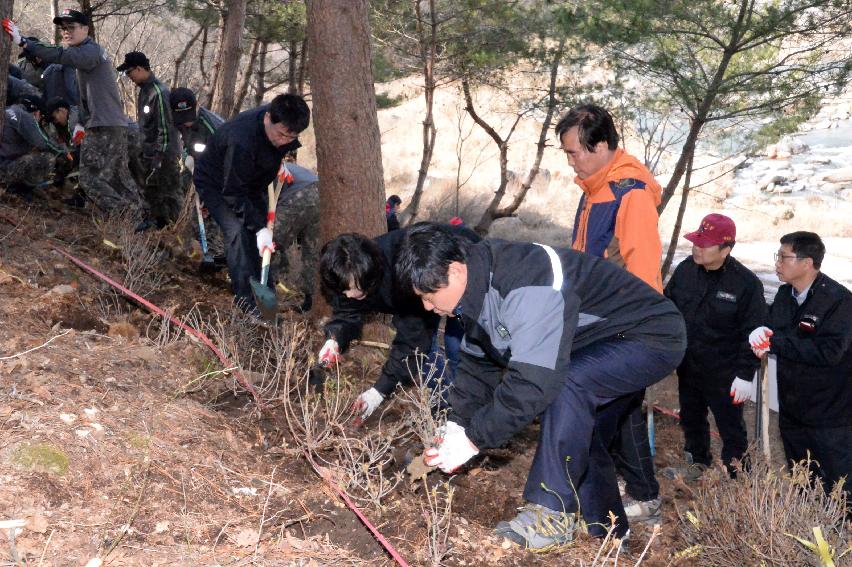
(829, 447)
(631, 453)
(694, 403)
(240, 252)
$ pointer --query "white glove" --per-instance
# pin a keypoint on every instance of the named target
(77, 135)
(189, 163)
(454, 448)
(759, 340)
(368, 402)
(264, 240)
(329, 353)
(742, 390)
(12, 29)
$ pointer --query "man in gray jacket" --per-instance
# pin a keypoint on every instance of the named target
(160, 143)
(104, 174)
(27, 155)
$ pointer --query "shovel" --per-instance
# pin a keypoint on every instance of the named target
(208, 264)
(264, 296)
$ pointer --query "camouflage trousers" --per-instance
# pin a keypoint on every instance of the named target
(160, 182)
(212, 232)
(104, 174)
(297, 219)
(31, 169)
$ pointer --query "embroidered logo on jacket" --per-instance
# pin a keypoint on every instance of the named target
(725, 296)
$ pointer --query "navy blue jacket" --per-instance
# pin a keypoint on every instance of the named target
(238, 165)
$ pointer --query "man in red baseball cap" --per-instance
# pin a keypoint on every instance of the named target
(721, 301)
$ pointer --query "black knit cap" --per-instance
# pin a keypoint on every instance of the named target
(55, 104)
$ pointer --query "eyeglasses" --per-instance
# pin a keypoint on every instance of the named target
(69, 27)
(781, 257)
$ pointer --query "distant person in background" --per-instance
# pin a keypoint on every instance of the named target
(809, 330)
(617, 220)
(27, 156)
(391, 209)
(61, 81)
(104, 174)
(32, 66)
(721, 301)
(160, 144)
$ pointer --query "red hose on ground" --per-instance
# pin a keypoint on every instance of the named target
(203, 338)
(674, 414)
(323, 473)
(154, 309)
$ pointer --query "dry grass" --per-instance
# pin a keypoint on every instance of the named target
(756, 518)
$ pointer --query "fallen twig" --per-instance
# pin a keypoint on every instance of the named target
(10, 357)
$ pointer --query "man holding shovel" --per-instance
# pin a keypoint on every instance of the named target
(232, 177)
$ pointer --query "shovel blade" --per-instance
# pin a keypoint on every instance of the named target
(265, 299)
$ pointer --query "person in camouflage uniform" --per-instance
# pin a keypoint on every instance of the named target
(27, 155)
(196, 125)
(160, 145)
(104, 174)
(60, 122)
(297, 221)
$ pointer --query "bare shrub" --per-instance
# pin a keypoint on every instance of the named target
(140, 252)
(437, 509)
(421, 402)
(756, 518)
(366, 463)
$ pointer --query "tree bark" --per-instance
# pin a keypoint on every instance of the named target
(260, 81)
(183, 54)
(86, 8)
(54, 11)
(209, 84)
(428, 43)
(352, 190)
(247, 76)
(679, 221)
(292, 67)
(6, 8)
(303, 67)
(228, 57)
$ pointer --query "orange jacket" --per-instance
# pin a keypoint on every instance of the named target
(617, 217)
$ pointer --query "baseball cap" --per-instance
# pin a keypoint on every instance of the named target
(134, 59)
(69, 15)
(55, 104)
(30, 102)
(715, 230)
(183, 103)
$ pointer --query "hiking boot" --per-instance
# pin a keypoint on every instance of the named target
(646, 511)
(691, 472)
(539, 528)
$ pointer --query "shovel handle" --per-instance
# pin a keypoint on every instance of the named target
(264, 266)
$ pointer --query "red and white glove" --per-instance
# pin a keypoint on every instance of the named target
(77, 135)
(741, 390)
(368, 402)
(454, 448)
(760, 341)
(12, 29)
(284, 175)
(264, 241)
(329, 353)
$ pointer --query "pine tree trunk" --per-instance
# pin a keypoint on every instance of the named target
(247, 76)
(6, 7)
(260, 76)
(54, 11)
(349, 156)
(228, 57)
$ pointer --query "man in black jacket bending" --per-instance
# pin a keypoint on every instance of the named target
(810, 331)
(232, 175)
(358, 278)
(547, 332)
(721, 301)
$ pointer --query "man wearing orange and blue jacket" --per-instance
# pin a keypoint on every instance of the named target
(617, 219)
